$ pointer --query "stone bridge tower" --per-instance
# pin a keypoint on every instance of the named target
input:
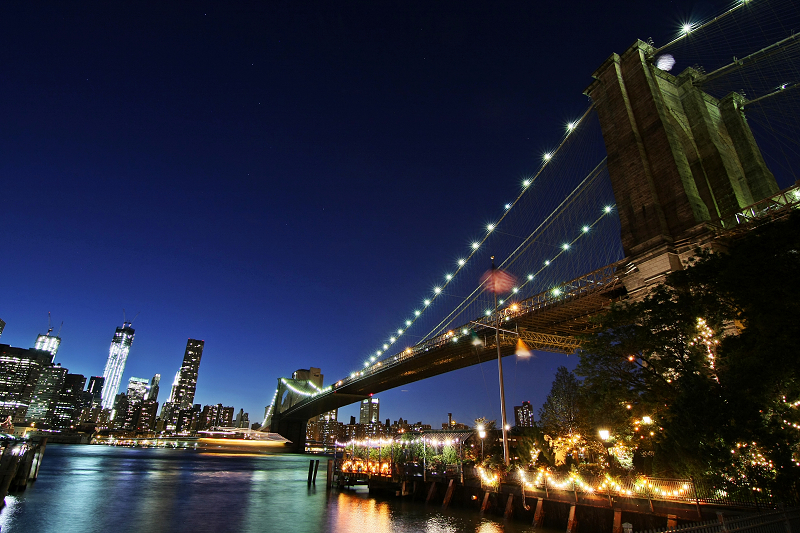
(678, 159)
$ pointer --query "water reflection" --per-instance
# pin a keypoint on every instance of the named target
(100, 489)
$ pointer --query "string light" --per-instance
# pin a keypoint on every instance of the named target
(571, 126)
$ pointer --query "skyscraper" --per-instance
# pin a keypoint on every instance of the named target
(48, 343)
(370, 411)
(117, 356)
(152, 393)
(96, 388)
(137, 389)
(186, 380)
(45, 395)
(66, 409)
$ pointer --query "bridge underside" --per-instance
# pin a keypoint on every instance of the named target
(543, 322)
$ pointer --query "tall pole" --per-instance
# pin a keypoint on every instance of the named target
(500, 372)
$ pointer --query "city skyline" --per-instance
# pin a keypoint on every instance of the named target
(223, 171)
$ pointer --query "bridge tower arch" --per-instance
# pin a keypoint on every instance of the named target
(678, 159)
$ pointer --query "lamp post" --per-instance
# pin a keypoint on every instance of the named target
(605, 436)
(482, 435)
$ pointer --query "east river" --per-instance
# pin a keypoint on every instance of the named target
(102, 489)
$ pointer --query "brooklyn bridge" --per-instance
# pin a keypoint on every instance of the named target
(686, 160)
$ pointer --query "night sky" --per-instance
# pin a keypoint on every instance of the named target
(284, 180)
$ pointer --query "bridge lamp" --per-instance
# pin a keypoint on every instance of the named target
(366, 364)
(427, 302)
(607, 209)
(378, 353)
(391, 340)
(489, 227)
(461, 262)
(416, 312)
(385, 346)
(372, 358)
(437, 290)
(408, 322)
(526, 183)
(571, 125)
(530, 277)
(501, 302)
(488, 312)
(585, 229)
(686, 28)
(448, 277)
(547, 156)
(399, 332)
(515, 290)
(556, 292)
(546, 263)
(565, 246)
(507, 206)
(475, 245)
(464, 331)
(514, 307)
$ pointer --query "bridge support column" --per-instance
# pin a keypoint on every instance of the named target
(538, 516)
(485, 504)
(572, 524)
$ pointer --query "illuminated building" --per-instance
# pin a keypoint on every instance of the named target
(45, 395)
(115, 366)
(186, 381)
(48, 343)
(137, 389)
(66, 410)
(215, 416)
(145, 416)
(370, 411)
(242, 419)
(523, 415)
(152, 393)
(96, 388)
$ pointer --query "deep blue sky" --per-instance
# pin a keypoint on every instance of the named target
(280, 179)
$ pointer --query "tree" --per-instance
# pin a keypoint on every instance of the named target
(560, 413)
(712, 357)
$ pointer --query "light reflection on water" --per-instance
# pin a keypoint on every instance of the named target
(102, 489)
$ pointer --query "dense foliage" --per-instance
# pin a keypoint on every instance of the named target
(703, 372)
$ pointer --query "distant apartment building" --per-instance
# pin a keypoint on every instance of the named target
(523, 415)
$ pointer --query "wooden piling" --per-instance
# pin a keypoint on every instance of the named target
(485, 504)
(431, 492)
(316, 467)
(538, 516)
(448, 495)
(572, 524)
(9, 462)
(617, 527)
(329, 478)
(37, 460)
(672, 521)
(509, 507)
(310, 470)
